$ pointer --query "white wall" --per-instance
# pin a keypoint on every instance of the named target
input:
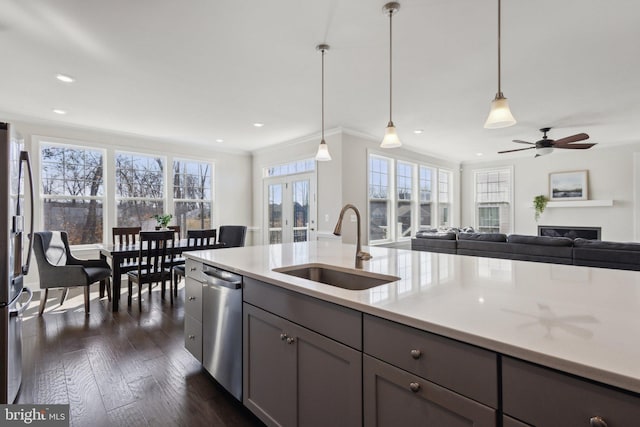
(232, 171)
(610, 176)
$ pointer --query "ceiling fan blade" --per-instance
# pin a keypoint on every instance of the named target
(572, 138)
(575, 146)
(518, 149)
(523, 142)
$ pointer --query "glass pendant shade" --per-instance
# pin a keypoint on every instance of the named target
(390, 139)
(323, 152)
(500, 115)
(543, 151)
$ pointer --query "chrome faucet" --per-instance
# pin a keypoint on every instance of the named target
(360, 255)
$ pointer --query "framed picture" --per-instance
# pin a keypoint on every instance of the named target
(568, 185)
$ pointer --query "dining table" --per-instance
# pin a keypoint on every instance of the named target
(117, 253)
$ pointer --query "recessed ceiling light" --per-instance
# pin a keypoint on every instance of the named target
(479, 154)
(219, 140)
(418, 131)
(59, 111)
(258, 125)
(65, 78)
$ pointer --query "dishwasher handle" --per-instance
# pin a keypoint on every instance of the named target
(222, 278)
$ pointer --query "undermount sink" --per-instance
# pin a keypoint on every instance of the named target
(344, 278)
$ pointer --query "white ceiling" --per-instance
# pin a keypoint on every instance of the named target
(198, 70)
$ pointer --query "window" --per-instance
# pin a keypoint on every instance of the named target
(426, 203)
(192, 194)
(404, 207)
(300, 166)
(379, 203)
(493, 200)
(140, 189)
(444, 198)
(407, 194)
(72, 191)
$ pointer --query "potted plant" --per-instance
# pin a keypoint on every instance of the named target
(540, 203)
(163, 220)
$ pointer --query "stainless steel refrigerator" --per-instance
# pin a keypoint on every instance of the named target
(14, 165)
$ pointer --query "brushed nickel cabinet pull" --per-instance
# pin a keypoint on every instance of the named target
(414, 387)
(416, 353)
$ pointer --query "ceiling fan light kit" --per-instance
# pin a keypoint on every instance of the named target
(500, 115)
(323, 149)
(390, 139)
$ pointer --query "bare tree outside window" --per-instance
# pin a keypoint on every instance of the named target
(72, 191)
(139, 189)
(192, 194)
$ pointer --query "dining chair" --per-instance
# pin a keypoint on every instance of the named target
(196, 239)
(58, 268)
(155, 257)
(125, 236)
(231, 236)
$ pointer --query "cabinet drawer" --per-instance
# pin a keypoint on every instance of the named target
(193, 269)
(334, 321)
(544, 397)
(467, 369)
(193, 337)
(193, 299)
(393, 397)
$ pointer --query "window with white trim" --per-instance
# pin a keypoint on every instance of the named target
(72, 191)
(444, 198)
(425, 183)
(404, 197)
(140, 189)
(410, 195)
(493, 199)
(379, 198)
(192, 194)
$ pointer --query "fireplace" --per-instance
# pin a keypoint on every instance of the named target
(591, 233)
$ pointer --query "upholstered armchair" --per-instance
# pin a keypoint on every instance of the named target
(58, 268)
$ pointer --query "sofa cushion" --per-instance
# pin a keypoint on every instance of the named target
(439, 236)
(597, 253)
(447, 246)
(484, 237)
(600, 244)
(540, 240)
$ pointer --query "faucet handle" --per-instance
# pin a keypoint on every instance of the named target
(364, 255)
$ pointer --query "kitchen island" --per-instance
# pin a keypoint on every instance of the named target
(575, 320)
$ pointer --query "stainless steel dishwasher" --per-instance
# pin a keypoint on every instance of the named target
(222, 328)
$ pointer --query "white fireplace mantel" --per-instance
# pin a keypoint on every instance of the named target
(578, 203)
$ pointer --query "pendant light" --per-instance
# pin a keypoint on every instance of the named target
(500, 116)
(323, 150)
(390, 139)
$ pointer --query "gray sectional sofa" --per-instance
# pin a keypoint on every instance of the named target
(556, 250)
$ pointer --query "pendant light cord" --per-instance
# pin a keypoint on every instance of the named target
(390, 63)
(499, 57)
(323, 95)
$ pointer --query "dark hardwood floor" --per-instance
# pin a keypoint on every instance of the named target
(121, 369)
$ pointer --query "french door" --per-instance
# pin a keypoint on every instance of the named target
(290, 208)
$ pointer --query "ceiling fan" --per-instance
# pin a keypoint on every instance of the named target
(546, 145)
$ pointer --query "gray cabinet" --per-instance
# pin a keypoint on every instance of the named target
(394, 397)
(193, 310)
(296, 377)
(543, 397)
(412, 376)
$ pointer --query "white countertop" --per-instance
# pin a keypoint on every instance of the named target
(581, 320)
